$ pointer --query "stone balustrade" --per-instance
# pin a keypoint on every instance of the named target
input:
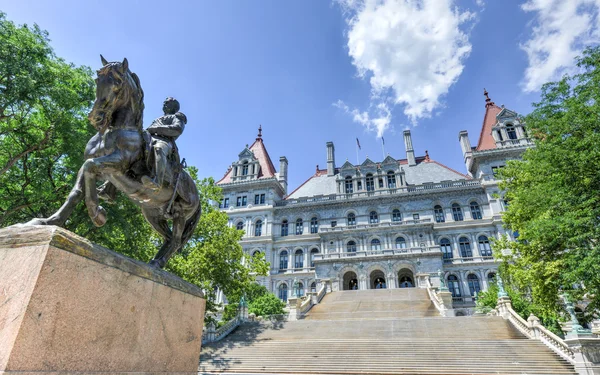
(379, 253)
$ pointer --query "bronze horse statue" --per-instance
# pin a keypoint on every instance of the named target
(120, 155)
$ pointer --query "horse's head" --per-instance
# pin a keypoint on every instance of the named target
(116, 89)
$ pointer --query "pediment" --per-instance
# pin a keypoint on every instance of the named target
(347, 165)
(389, 160)
(368, 163)
(246, 154)
(506, 113)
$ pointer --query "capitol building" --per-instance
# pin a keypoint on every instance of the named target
(380, 224)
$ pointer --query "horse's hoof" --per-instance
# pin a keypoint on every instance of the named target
(37, 221)
(99, 218)
(156, 263)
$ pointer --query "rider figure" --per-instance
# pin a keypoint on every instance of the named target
(164, 130)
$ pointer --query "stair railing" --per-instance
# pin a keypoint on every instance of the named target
(437, 301)
(321, 293)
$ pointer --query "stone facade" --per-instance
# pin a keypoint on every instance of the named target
(378, 224)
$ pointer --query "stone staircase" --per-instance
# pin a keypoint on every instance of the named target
(390, 331)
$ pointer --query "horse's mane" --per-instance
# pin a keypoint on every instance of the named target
(138, 93)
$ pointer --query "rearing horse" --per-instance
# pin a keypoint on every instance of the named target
(117, 154)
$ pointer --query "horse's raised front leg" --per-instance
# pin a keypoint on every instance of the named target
(91, 169)
(75, 196)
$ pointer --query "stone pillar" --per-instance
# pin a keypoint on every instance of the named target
(294, 308)
(586, 352)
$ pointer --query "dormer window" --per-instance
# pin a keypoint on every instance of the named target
(370, 183)
(391, 180)
(245, 168)
(511, 132)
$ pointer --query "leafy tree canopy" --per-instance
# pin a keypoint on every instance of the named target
(554, 195)
(267, 304)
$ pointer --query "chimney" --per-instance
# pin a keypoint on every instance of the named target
(465, 145)
(410, 153)
(330, 159)
(283, 166)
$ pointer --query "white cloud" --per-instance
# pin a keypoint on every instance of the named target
(562, 28)
(377, 119)
(411, 51)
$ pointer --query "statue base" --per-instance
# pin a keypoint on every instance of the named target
(70, 306)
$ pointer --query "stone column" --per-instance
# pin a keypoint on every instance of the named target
(586, 352)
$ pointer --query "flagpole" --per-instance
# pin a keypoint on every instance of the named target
(383, 147)
(357, 154)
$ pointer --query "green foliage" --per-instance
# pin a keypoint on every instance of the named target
(267, 304)
(554, 195)
(43, 132)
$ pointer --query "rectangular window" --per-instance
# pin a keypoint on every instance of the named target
(262, 199)
(381, 183)
(334, 224)
(415, 216)
(226, 203)
(238, 202)
(256, 199)
(496, 170)
(358, 185)
(244, 200)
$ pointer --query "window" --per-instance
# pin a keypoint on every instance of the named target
(239, 226)
(283, 260)
(351, 247)
(473, 281)
(238, 202)
(313, 252)
(224, 203)
(358, 185)
(457, 212)
(484, 246)
(262, 199)
(351, 219)
(500, 138)
(283, 292)
(453, 286)
(396, 215)
(381, 183)
(446, 248)
(400, 243)
(313, 287)
(245, 169)
(373, 217)
(299, 259)
(496, 170)
(475, 211)
(284, 228)
(348, 185)
(415, 217)
(256, 198)
(300, 290)
(440, 217)
(511, 132)
(244, 200)
(465, 247)
(314, 225)
(255, 253)
(491, 277)
(375, 244)
(391, 180)
(369, 182)
(258, 228)
(333, 223)
(299, 227)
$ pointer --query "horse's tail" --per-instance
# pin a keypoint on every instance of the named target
(191, 225)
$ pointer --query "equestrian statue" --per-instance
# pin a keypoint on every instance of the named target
(142, 164)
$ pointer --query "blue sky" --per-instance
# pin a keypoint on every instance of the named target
(317, 71)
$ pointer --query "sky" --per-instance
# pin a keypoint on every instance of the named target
(315, 71)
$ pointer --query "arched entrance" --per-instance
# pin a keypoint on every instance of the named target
(378, 280)
(406, 279)
(350, 281)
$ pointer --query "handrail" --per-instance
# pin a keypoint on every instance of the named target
(306, 305)
(321, 292)
(213, 335)
(520, 323)
(437, 302)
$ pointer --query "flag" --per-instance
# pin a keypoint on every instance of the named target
(358, 144)
(383, 140)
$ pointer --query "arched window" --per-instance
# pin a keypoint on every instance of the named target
(313, 252)
(473, 281)
(283, 260)
(284, 228)
(465, 247)
(440, 217)
(348, 185)
(255, 253)
(457, 212)
(351, 247)
(375, 244)
(485, 249)
(300, 289)
(314, 225)
(299, 226)
(258, 228)
(511, 132)
(396, 215)
(373, 217)
(391, 180)
(475, 211)
(245, 168)
(283, 292)
(239, 225)
(299, 259)
(491, 277)
(400, 243)
(446, 248)
(313, 287)
(370, 183)
(351, 219)
(453, 286)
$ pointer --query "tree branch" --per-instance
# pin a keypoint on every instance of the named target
(12, 161)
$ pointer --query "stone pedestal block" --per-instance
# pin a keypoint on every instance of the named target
(68, 306)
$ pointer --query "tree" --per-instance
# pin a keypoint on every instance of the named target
(554, 195)
(267, 304)
(44, 103)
